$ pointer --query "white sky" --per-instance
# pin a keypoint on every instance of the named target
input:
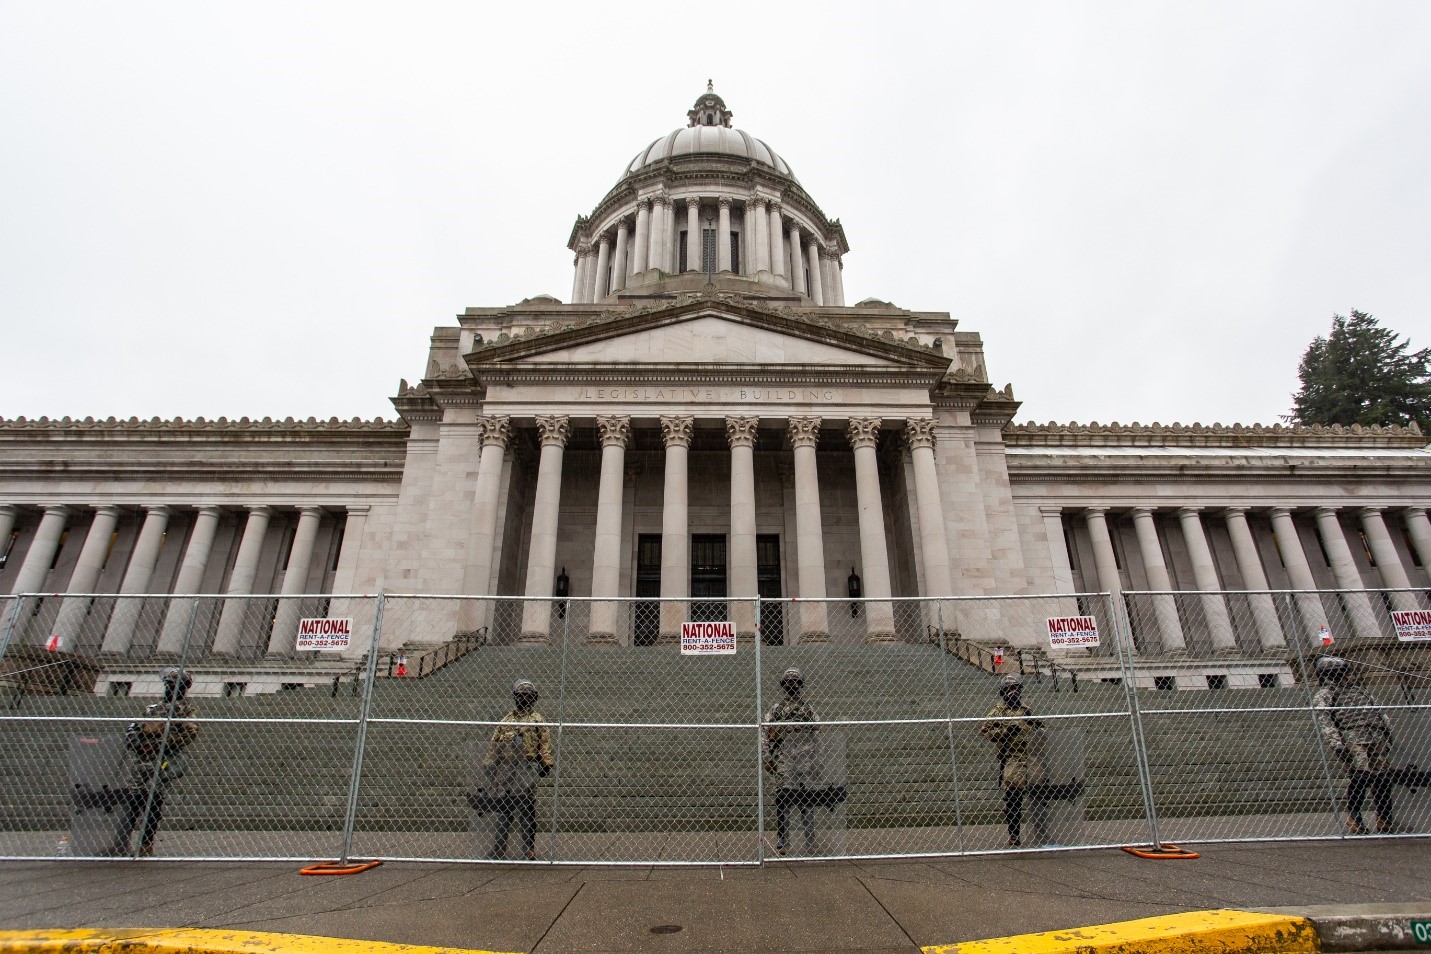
(1147, 209)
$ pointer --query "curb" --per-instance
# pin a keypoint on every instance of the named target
(196, 941)
(1221, 931)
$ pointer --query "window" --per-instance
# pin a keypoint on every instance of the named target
(735, 252)
(708, 251)
(1165, 683)
(1266, 680)
(684, 244)
(1217, 682)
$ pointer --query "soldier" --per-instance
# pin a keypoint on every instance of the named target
(517, 755)
(156, 761)
(791, 754)
(1013, 734)
(1355, 728)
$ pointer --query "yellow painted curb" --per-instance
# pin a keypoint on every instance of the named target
(194, 941)
(1197, 932)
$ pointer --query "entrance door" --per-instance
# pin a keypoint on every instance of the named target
(708, 577)
(767, 574)
(646, 617)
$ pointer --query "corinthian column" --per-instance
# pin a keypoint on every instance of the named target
(757, 233)
(1249, 567)
(85, 577)
(693, 235)
(191, 577)
(1165, 605)
(541, 551)
(675, 527)
(797, 262)
(245, 570)
(618, 268)
(723, 236)
(643, 237)
(31, 578)
(1388, 561)
(1348, 577)
(741, 433)
(122, 622)
(863, 435)
(919, 436)
(660, 233)
(606, 559)
(603, 268)
(284, 634)
(1294, 558)
(817, 276)
(809, 534)
(777, 241)
(1214, 604)
(481, 538)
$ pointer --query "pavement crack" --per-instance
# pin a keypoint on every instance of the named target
(894, 920)
(581, 887)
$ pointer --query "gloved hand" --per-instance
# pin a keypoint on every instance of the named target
(769, 765)
(544, 770)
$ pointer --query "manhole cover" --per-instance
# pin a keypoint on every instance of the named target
(665, 929)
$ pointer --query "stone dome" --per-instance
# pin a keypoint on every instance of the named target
(709, 133)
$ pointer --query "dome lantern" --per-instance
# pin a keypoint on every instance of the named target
(710, 109)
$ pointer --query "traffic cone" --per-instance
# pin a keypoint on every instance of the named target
(402, 666)
(1326, 636)
(53, 643)
(998, 655)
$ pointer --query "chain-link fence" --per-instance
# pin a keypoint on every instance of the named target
(705, 730)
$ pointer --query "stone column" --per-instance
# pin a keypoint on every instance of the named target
(1388, 561)
(541, 551)
(7, 525)
(31, 578)
(603, 269)
(797, 262)
(660, 230)
(919, 436)
(1057, 549)
(675, 527)
(1249, 567)
(723, 263)
(777, 241)
(827, 274)
(191, 577)
(588, 281)
(481, 538)
(1214, 604)
(840, 282)
(1418, 528)
(119, 634)
(693, 236)
(809, 533)
(576, 278)
(84, 578)
(817, 275)
(1096, 519)
(1165, 605)
(231, 621)
(619, 267)
(284, 634)
(757, 234)
(1348, 577)
(606, 558)
(643, 237)
(741, 433)
(1294, 558)
(863, 435)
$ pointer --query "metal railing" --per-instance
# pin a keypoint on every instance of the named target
(398, 738)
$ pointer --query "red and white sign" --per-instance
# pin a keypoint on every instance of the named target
(708, 639)
(1071, 632)
(324, 634)
(1325, 635)
(1412, 625)
(53, 643)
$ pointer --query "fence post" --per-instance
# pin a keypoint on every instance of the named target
(949, 727)
(561, 725)
(360, 743)
(160, 757)
(759, 747)
(1123, 639)
(1316, 730)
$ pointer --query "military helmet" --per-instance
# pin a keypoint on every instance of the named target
(792, 675)
(1011, 681)
(1328, 665)
(174, 676)
(524, 687)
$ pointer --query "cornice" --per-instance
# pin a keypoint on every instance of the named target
(849, 375)
(1054, 434)
(179, 424)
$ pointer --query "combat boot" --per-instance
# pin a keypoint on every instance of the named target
(1355, 826)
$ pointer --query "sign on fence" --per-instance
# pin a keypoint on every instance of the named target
(1070, 632)
(1412, 625)
(708, 639)
(324, 633)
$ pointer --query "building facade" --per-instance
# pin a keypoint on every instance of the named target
(708, 419)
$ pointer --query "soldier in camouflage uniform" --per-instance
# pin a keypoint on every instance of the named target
(1014, 734)
(517, 755)
(1358, 732)
(792, 754)
(152, 755)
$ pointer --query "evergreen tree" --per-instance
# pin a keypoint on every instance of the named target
(1360, 374)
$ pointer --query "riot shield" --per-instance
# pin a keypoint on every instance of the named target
(815, 812)
(483, 811)
(1411, 758)
(99, 796)
(1054, 800)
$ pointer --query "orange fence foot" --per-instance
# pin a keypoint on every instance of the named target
(1160, 851)
(338, 868)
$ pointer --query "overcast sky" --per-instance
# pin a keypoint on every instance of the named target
(1146, 209)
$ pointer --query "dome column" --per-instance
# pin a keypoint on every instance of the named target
(618, 268)
(643, 237)
(776, 243)
(817, 275)
(757, 234)
(660, 230)
(603, 268)
(797, 262)
(723, 236)
(693, 235)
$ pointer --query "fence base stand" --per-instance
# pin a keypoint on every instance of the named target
(338, 868)
(1159, 852)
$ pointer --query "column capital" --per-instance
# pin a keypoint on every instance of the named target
(58, 510)
(794, 228)
(1095, 511)
(741, 431)
(919, 432)
(693, 202)
(1276, 512)
(1413, 512)
(496, 429)
(1370, 511)
(615, 430)
(108, 510)
(554, 429)
(357, 510)
(1236, 510)
(775, 205)
(583, 250)
(757, 201)
(1143, 511)
(214, 509)
(725, 201)
(677, 431)
(863, 431)
(260, 510)
(622, 226)
(804, 431)
(8, 510)
(157, 509)
(1323, 512)
(311, 510)
(1186, 512)
(604, 240)
(643, 203)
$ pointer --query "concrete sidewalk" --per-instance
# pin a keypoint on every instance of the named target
(847, 906)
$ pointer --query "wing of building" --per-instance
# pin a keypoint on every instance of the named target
(707, 419)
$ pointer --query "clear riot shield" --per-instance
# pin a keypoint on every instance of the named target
(814, 814)
(1053, 802)
(484, 812)
(99, 796)
(1412, 760)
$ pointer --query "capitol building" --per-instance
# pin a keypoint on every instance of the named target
(709, 418)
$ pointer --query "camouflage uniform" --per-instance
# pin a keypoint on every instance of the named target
(793, 755)
(143, 739)
(1016, 742)
(1359, 733)
(517, 755)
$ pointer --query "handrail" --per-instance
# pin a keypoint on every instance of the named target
(397, 664)
(981, 657)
